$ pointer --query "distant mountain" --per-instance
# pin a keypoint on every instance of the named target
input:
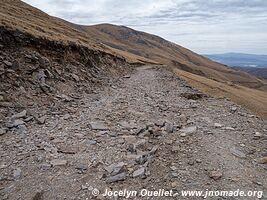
(256, 71)
(240, 59)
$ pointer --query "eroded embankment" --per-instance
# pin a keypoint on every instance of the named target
(37, 71)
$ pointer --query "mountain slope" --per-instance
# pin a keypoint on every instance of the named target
(17, 15)
(165, 52)
(256, 71)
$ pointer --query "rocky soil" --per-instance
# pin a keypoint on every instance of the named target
(146, 129)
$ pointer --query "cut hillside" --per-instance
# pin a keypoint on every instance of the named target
(43, 61)
(168, 53)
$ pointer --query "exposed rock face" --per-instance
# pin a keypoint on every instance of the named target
(39, 72)
(33, 66)
(139, 172)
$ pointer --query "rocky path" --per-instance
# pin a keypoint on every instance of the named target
(149, 130)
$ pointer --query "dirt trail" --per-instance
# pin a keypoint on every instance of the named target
(149, 130)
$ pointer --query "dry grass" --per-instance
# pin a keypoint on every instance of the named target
(251, 99)
(18, 15)
(132, 58)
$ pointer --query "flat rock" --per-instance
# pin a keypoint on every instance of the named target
(65, 98)
(68, 149)
(28, 119)
(130, 139)
(183, 134)
(128, 125)
(154, 150)
(169, 141)
(66, 116)
(58, 162)
(7, 63)
(116, 178)
(115, 169)
(22, 114)
(41, 120)
(22, 129)
(233, 109)
(17, 173)
(257, 135)
(81, 168)
(127, 76)
(139, 172)
(131, 148)
(75, 77)
(141, 159)
(45, 166)
(229, 128)
(174, 184)
(160, 123)
(189, 130)
(217, 174)
(2, 131)
(99, 125)
(15, 123)
(120, 141)
(90, 142)
(169, 127)
(206, 119)
(174, 175)
(237, 153)
(217, 125)
(175, 149)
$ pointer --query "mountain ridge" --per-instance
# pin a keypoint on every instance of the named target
(256, 71)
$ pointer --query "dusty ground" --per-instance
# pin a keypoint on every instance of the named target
(149, 121)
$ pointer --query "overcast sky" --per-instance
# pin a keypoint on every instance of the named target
(210, 26)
